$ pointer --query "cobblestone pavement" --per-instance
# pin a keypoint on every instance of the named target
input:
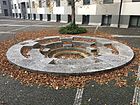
(13, 93)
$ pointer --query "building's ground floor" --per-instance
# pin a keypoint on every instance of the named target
(126, 21)
(5, 12)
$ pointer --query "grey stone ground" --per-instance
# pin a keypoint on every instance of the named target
(13, 93)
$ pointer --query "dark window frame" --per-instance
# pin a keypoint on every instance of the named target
(57, 3)
(28, 5)
(15, 6)
(6, 12)
(4, 2)
(69, 2)
(29, 16)
(135, 0)
(106, 20)
(85, 19)
(33, 4)
(48, 17)
(40, 4)
(69, 18)
(41, 17)
(18, 5)
(16, 15)
(137, 23)
(34, 16)
(58, 17)
(48, 3)
(19, 15)
(12, 7)
(86, 2)
(107, 2)
(13, 14)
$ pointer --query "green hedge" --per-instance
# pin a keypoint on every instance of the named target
(72, 29)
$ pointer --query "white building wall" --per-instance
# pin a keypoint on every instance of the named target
(58, 10)
(94, 9)
(87, 9)
(109, 9)
(131, 8)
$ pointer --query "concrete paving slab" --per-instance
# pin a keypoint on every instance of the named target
(9, 29)
(95, 94)
(13, 93)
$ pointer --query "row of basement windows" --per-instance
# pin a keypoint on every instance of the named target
(134, 21)
(106, 19)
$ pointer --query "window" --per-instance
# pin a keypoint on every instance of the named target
(107, 1)
(41, 16)
(40, 4)
(86, 2)
(15, 6)
(48, 3)
(58, 18)
(12, 6)
(69, 18)
(19, 15)
(13, 14)
(6, 12)
(18, 5)
(4, 2)
(28, 6)
(16, 15)
(57, 3)
(34, 16)
(85, 19)
(134, 21)
(135, 0)
(33, 4)
(29, 16)
(106, 20)
(69, 2)
(48, 17)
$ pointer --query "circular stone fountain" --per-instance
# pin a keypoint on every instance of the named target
(70, 54)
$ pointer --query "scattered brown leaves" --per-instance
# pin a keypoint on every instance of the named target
(59, 81)
(114, 50)
(25, 51)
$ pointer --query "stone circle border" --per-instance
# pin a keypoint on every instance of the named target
(37, 62)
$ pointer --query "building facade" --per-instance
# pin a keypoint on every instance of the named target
(5, 8)
(113, 13)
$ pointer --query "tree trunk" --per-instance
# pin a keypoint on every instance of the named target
(73, 11)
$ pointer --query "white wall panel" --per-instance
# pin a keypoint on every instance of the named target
(112, 9)
(23, 0)
(18, 10)
(41, 10)
(13, 11)
(86, 10)
(132, 8)
(58, 10)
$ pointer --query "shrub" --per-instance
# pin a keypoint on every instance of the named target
(72, 29)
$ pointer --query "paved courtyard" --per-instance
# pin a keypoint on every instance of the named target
(13, 93)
